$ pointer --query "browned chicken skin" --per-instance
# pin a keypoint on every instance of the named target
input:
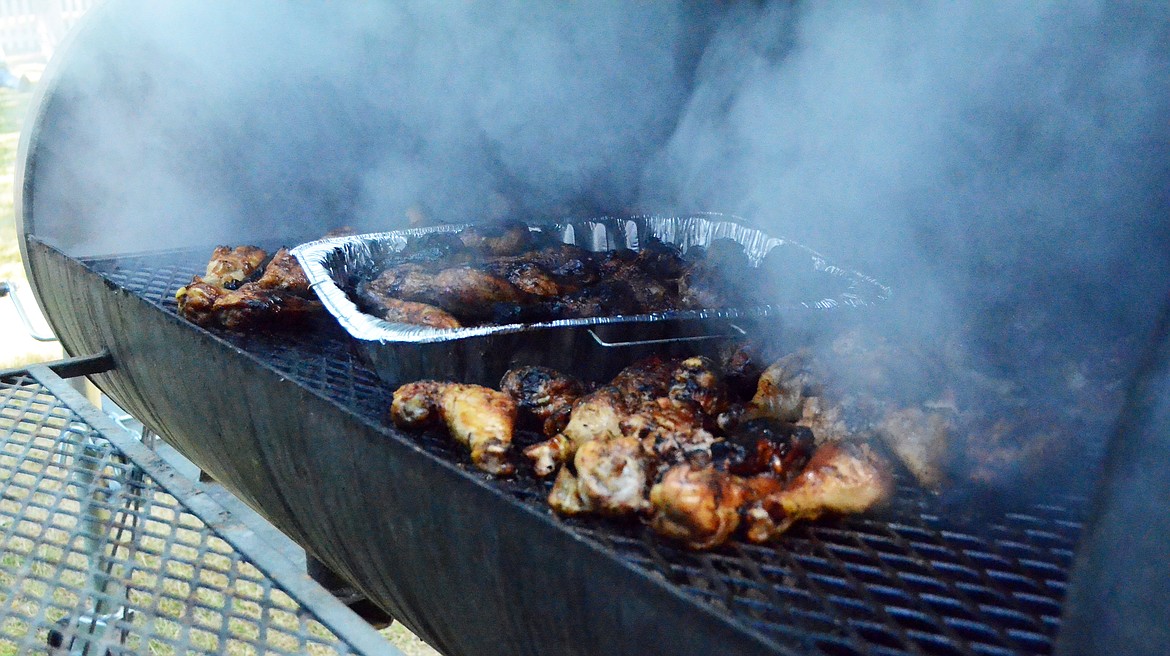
(699, 507)
(598, 415)
(839, 478)
(463, 291)
(227, 269)
(251, 306)
(647, 445)
(668, 430)
(478, 417)
(545, 393)
(284, 274)
(510, 273)
(418, 314)
(225, 297)
(231, 266)
(613, 476)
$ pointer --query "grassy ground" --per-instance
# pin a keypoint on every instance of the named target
(16, 347)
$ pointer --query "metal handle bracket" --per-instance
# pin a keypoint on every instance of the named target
(738, 332)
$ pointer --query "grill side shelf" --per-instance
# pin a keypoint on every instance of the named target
(106, 546)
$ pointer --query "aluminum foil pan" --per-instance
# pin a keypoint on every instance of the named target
(593, 348)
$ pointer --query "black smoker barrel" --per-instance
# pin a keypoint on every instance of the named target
(120, 203)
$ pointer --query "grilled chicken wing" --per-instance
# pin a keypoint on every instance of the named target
(598, 415)
(251, 306)
(612, 479)
(697, 506)
(231, 266)
(224, 297)
(546, 393)
(669, 431)
(839, 478)
(418, 314)
(781, 389)
(478, 417)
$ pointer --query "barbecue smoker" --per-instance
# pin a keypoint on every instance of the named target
(295, 423)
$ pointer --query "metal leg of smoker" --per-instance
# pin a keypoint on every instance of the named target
(345, 593)
(318, 571)
(107, 605)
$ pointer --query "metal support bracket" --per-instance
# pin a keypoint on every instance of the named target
(8, 288)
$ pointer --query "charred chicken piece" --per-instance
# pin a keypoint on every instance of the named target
(197, 300)
(279, 297)
(545, 393)
(595, 416)
(602, 299)
(480, 418)
(598, 415)
(571, 266)
(669, 431)
(766, 446)
(230, 267)
(782, 388)
(741, 371)
(402, 281)
(695, 381)
(284, 274)
(612, 476)
(501, 238)
(919, 438)
(645, 380)
(463, 291)
(698, 506)
(411, 312)
(839, 478)
(252, 306)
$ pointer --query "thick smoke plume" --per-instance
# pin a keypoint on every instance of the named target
(1002, 165)
(277, 118)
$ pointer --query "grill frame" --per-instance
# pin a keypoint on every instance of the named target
(539, 568)
(121, 536)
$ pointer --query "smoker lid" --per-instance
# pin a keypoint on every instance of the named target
(170, 125)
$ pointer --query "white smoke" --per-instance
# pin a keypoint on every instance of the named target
(985, 159)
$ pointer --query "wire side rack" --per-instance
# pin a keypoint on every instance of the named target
(106, 550)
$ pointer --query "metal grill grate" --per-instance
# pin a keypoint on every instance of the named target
(911, 580)
(96, 558)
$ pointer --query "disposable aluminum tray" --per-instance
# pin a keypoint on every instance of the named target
(592, 348)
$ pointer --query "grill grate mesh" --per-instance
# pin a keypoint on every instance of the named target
(96, 558)
(910, 580)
